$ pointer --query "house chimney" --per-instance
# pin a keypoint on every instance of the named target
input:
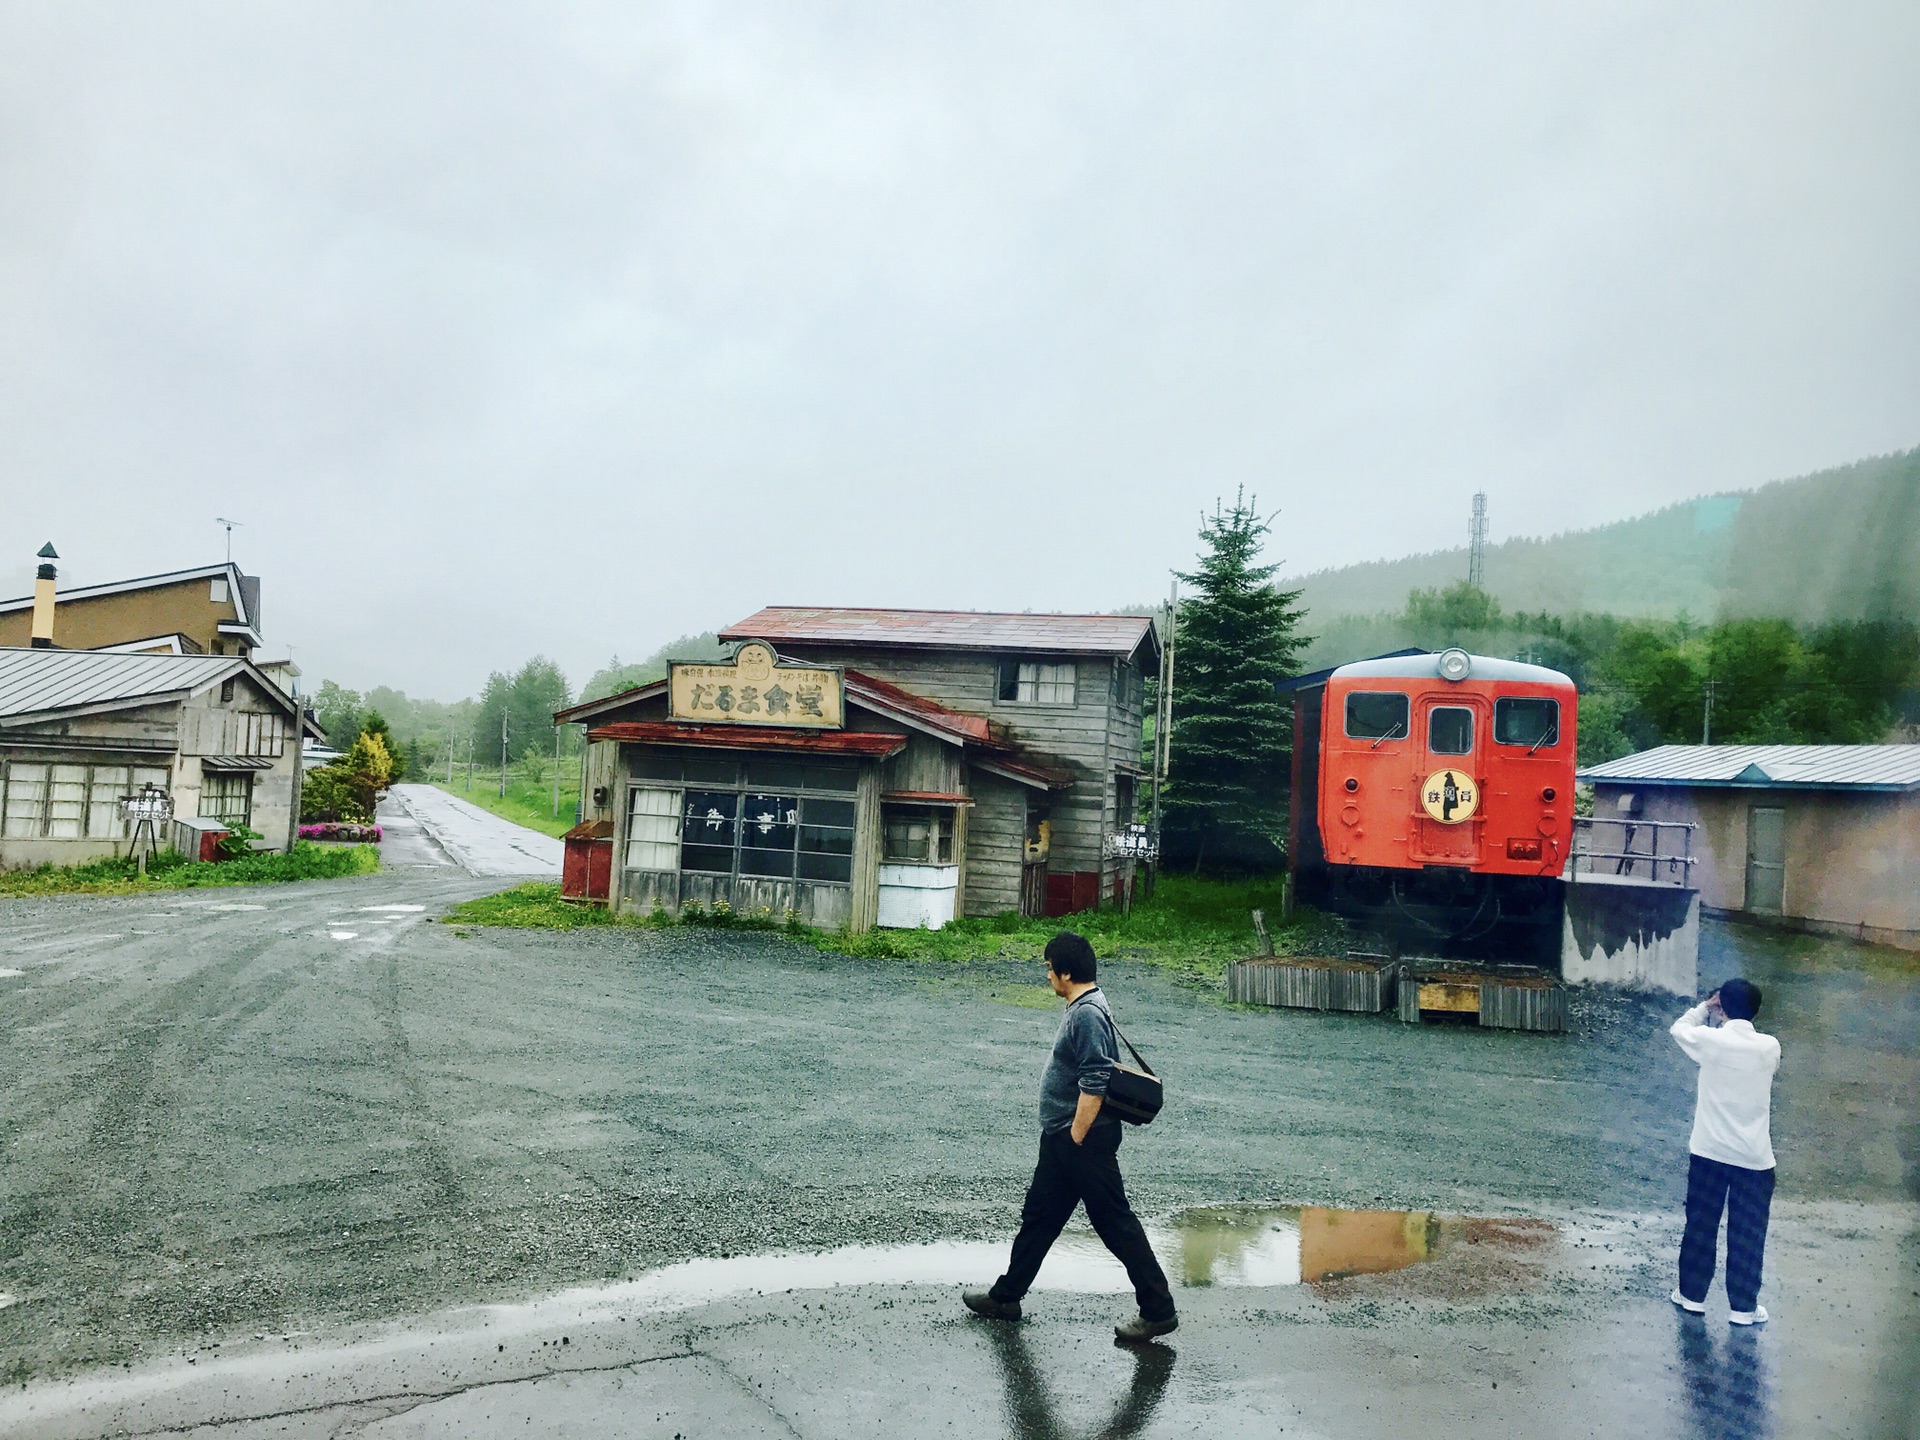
(43, 599)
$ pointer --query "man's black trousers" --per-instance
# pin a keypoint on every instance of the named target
(1067, 1175)
(1747, 1197)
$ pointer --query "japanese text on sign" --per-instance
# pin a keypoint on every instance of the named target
(755, 688)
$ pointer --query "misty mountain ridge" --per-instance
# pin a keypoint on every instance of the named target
(1839, 544)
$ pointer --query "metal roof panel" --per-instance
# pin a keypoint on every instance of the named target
(35, 682)
(1878, 767)
(947, 629)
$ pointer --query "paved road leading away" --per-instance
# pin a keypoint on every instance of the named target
(478, 841)
(261, 1144)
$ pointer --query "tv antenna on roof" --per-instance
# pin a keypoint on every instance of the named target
(222, 520)
(1477, 546)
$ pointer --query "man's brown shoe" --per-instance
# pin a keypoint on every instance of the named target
(1139, 1329)
(981, 1302)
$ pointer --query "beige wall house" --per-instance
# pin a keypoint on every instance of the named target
(80, 730)
(1822, 838)
(878, 767)
(212, 610)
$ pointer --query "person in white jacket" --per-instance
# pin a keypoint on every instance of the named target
(1731, 1166)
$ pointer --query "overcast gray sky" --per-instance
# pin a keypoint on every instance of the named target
(572, 328)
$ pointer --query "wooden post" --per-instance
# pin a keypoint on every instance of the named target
(1260, 929)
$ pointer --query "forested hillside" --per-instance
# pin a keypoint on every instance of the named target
(1843, 544)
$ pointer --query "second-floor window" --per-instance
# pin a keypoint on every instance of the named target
(1030, 682)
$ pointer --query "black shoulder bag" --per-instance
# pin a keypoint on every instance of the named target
(1134, 1094)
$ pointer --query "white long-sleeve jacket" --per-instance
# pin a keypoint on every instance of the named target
(1733, 1111)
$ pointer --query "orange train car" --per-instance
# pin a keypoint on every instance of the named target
(1433, 798)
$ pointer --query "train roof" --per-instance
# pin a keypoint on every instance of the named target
(1427, 667)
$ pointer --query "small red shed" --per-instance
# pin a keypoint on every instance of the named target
(586, 871)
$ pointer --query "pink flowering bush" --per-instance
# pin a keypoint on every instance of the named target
(339, 830)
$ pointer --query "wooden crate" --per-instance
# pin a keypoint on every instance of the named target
(1307, 982)
(1496, 1001)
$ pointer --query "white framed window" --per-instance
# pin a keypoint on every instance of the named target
(66, 802)
(26, 799)
(227, 798)
(653, 829)
(918, 834)
(217, 592)
(1037, 682)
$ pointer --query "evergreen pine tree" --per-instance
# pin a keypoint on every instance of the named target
(1232, 735)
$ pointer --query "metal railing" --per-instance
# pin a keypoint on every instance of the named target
(1660, 851)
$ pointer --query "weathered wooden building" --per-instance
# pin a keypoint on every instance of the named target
(80, 730)
(878, 767)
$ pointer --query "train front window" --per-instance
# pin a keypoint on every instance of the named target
(1532, 721)
(1376, 715)
(1450, 730)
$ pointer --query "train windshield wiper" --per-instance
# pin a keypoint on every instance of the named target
(1550, 737)
(1394, 734)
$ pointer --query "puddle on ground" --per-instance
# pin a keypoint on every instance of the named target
(7, 972)
(396, 909)
(1228, 1245)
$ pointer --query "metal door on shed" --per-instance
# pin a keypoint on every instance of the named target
(1766, 859)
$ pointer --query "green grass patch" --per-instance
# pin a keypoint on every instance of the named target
(1190, 924)
(525, 803)
(170, 870)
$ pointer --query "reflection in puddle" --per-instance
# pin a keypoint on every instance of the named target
(1233, 1245)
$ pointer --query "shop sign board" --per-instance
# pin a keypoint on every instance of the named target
(757, 687)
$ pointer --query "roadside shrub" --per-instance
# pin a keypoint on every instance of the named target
(332, 794)
(237, 843)
(342, 832)
(170, 870)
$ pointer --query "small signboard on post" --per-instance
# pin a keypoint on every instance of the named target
(1135, 842)
(757, 687)
(147, 810)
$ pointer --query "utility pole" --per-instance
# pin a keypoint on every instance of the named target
(469, 764)
(1706, 717)
(503, 752)
(1477, 542)
(1163, 710)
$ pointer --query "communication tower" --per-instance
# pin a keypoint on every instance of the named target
(1477, 546)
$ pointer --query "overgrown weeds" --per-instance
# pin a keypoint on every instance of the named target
(170, 870)
(1193, 925)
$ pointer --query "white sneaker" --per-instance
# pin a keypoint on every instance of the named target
(1756, 1316)
(1692, 1307)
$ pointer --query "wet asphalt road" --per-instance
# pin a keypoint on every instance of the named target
(226, 1122)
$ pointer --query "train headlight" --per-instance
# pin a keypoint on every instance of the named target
(1455, 664)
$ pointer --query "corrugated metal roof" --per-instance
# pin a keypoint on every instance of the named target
(947, 629)
(33, 682)
(1809, 767)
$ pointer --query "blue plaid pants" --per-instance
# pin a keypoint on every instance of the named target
(1747, 1197)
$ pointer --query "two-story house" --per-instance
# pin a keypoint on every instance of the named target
(893, 767)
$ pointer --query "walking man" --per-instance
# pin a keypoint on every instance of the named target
(1079, 1156)
(1731, 1167)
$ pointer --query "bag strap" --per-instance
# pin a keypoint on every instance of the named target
(1138, 1058)
(1114, 1026)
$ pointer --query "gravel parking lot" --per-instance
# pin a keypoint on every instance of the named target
(299, 1108)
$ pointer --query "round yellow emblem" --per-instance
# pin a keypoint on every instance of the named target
(1450, 796)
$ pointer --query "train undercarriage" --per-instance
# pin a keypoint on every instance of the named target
(1446, 911)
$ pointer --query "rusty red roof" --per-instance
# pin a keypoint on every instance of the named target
(948, 629)
(752, 737)
(958, 723)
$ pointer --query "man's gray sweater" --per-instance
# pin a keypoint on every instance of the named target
(1081, 1064)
